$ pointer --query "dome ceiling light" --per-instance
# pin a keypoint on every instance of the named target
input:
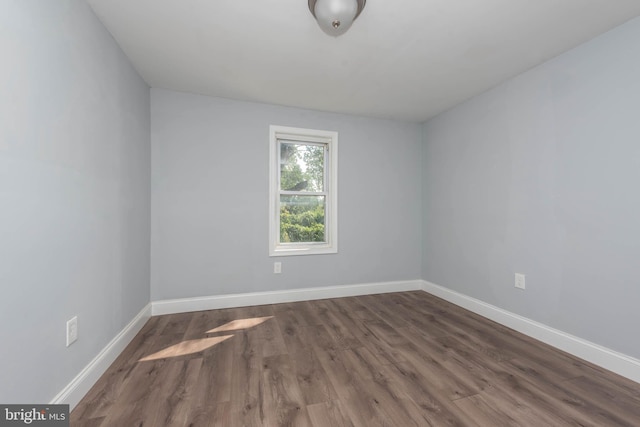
(336, 16)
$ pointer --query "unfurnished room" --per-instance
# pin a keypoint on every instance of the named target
(319, 213)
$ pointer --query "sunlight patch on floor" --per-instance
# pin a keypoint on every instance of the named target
(186, 347)
(234, 325)
(198, 345)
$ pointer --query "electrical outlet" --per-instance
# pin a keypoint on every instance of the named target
(519, 281)
(277, 267)
(72, 330)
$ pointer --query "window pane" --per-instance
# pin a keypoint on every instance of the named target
(301, 219)
(301, 167)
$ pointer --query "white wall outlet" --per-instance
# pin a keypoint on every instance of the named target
(72, 330)
(277, 267)
(519, 281)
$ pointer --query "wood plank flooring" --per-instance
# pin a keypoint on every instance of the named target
(401, 359)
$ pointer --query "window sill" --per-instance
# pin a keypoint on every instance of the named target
(307, 250)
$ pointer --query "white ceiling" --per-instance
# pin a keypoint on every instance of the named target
(402, 59)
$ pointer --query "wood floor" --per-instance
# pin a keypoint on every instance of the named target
(402, 359)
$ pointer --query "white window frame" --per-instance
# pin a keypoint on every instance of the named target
(330, 138)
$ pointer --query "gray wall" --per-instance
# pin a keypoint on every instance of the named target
(541, 175)
(74, 193)
(210, 183)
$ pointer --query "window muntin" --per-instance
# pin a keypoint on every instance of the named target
(303, 195)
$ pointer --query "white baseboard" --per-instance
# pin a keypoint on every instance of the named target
(619, 363)
(275, 297)
(82, 383)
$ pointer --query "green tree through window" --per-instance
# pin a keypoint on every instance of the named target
(302, 198)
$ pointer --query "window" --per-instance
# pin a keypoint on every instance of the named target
(303, 192)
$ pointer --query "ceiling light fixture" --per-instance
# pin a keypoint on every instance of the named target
(336, 16)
